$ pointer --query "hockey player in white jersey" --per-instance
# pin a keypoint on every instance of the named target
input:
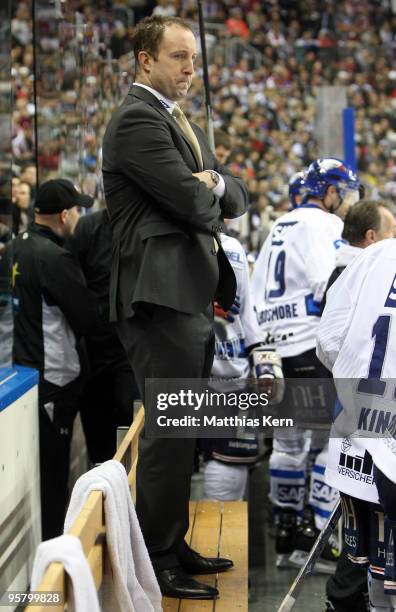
(238, 337)
(366, 222)
(288, 283)
(357, 341)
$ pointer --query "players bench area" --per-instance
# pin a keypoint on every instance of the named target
(216, 529)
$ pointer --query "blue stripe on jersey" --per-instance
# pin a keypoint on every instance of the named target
(320, 469)
(337, 409)
(287, 474)
(320, 511)
(313, 308)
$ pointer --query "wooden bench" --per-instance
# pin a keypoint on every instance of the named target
(215, 528)
(218, 528)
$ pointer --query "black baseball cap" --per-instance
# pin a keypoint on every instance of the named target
(57, 195)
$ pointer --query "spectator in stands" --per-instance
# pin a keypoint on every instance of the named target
(273, 110)
(22, 116)
(162, 285)
(166, 8)
(21, 25)
(118, 40)
(29, 175)
(22, 211)
(53, 309)
(236, 25)
(222, 146)
(110, 389)
(14, 188)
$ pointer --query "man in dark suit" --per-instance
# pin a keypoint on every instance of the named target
(167, 196)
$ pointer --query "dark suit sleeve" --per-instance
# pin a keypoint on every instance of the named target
(235, 200)
(142, 144)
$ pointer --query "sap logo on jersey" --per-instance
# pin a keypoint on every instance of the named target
(291, 493)
(279, 232)
(390, 301)
(322, 492)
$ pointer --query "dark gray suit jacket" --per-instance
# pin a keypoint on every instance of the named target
(163, 219)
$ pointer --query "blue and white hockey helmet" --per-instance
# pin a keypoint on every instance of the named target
(296, 187)
(328, 171)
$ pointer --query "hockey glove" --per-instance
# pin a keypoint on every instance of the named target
(267, 370)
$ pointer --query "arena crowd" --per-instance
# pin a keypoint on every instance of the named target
(263, 92)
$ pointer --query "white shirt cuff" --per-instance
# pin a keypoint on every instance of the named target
(220, 188)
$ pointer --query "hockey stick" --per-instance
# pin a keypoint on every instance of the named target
(209, 119)
(291, 597)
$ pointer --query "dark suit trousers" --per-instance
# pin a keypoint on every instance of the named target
(164, 343)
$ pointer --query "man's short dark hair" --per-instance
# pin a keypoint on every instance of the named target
(361, 217)
(148, 33)
(222, 139)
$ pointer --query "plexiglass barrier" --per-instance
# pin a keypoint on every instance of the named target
(78, 87)
(5, 191)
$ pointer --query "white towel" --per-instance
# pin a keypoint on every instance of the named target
(129, 582)
(68, 550)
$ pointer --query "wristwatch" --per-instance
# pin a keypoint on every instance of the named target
(214, 176)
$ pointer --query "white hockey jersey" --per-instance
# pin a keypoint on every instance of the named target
(357, 342)
(232, 338)
(291, 274)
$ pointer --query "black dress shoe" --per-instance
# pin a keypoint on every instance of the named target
(174, 582)
(193, 563)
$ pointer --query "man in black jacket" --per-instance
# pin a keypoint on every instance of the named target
(110, 389)
(53, 308)
(167, 195)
